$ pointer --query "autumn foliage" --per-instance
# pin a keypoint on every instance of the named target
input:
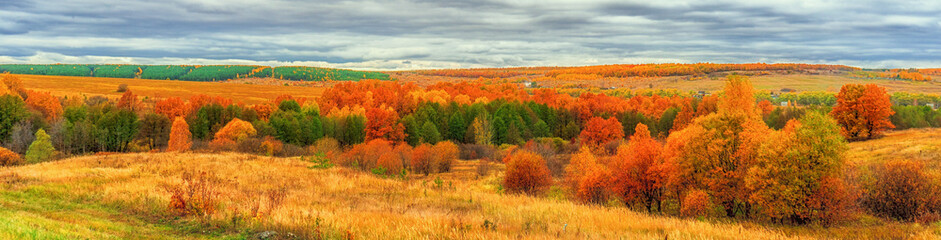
(863, 111)
(526, 172)
(9, 158)
(180, 136)
(46, 104)
(638, 170)
(600, 131)
(902, 189)
(233, 132)
(586, 178)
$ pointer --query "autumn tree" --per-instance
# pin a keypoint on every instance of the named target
(586, 178)
(526, 172)
(421, 159)
(599, 131)
(483, 131)
(862, 111)
(46, 104)
(129, 101)
(41, 149)
(171, 108)
(792, 165)
(384, 124)
(443, 155)
(636, 170)
(234, 131)
(180, 137)
(715, 152)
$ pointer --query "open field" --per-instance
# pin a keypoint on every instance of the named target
(247, 93)
(801, 83)
(121, 196)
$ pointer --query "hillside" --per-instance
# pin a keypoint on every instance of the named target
(121, 196)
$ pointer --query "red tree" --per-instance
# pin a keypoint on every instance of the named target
(383, 124)
(637, 176)
(526, 172)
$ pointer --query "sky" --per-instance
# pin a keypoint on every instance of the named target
(423, 34)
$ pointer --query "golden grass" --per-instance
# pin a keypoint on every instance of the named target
(799, 82)
(456, 205)
(91, 86)
(368, 207)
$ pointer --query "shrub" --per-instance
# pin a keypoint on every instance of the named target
(696, 204)
(901, 190)
(325, 145)
(197, 195)
(404, 153)
(272, 147)
(41, 149)
(526, 172)
(233, 132)
(391, 162)
(421, 159)
(444, 154)
(593, 187)
(477, 151)
(9, 158)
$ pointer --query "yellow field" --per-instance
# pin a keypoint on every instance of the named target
(801, 83)
(91, 86)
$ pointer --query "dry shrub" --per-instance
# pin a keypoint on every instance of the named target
(250, 145)
(404, 153)
(391, 162)
(443, 154)
(272, 146)
(526, 172)
(325, 145)
(222, 144)
(364, 156)
(122, 88)
(902, 190)
(834, 201)
(9, 158)
(483, 167)
(696, 204)
(197, 195)
(477, 151)
(421, 159)
(291, 150)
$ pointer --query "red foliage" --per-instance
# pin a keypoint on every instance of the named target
(526, 172)
(637, 170)
(599, 131)
(696, 204)
(421, 159)
(368, 94)
(129, 101)
(264, 111)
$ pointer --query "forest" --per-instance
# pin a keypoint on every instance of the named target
(733, 154)
(192, 72)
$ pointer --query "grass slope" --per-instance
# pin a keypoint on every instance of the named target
(120, 196)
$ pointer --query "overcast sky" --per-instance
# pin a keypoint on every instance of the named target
(411, 34)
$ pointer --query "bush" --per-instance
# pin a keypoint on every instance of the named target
(477, 151)
(272, 147)
(41, 149)
(325, 145)
(390, 162)
(421, 159)
(593, 187)
(696, 204)
(9, 158)
(526, 172)
(230, 135)
(122, 88)
(444, 154)
(901, 190)
(197, 195)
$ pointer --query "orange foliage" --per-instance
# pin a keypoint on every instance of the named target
(526, 172)
(862, 111)
(384, 124)
(369, 94)
(129, 101)
(637, 170)
(9, 158)
(264, 111)
(46, 104)
(676, 69)
(180, 136)
(391, 162)
(171, 107)
(421, 159)
(587, 179)
(233, 132)
(765, 107)
(696, 204)
(444, 153)
(599, 131)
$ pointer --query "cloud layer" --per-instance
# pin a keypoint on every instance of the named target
(410, 34)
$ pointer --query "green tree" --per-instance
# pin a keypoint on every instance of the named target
(41, 149)
(155, 129)
(541, 129)
(355, 129)
(429, 133)
(457, 127)
(12, 110)
(116, 129)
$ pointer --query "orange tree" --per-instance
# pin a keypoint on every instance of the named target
(526, 172)
(862, 111)
(180, 137)
(637, 170)
(598, 131)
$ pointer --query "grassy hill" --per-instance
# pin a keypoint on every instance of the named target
(126, 196)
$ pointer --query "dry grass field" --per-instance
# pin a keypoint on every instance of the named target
(799, 82)
(91, 86)
(123, 196)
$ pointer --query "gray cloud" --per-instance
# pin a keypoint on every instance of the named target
(407, 34)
